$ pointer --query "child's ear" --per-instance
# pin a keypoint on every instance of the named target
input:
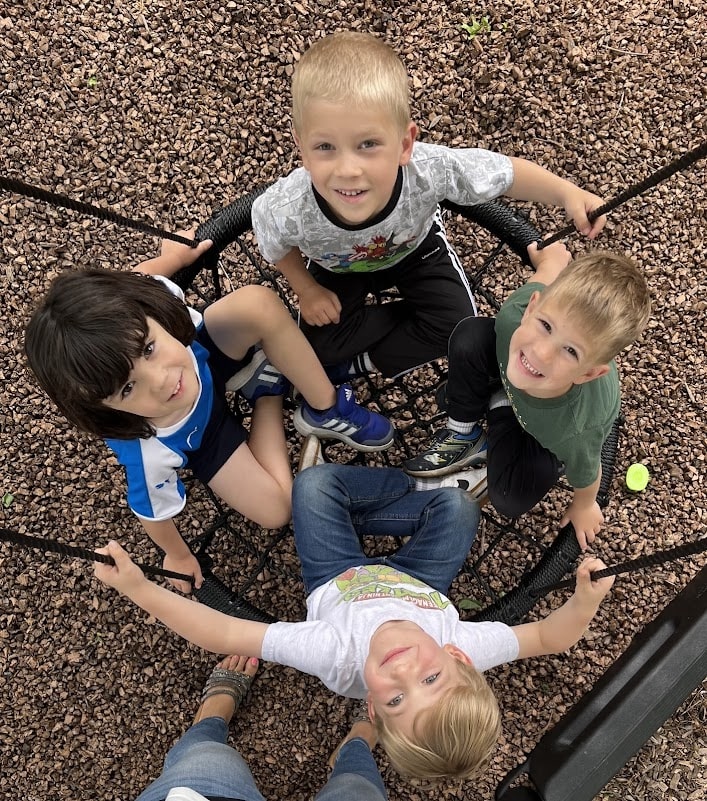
(371, 710)
(532, 303)
(408, 141)
(457, 653)
(592, 373)
(298, 144)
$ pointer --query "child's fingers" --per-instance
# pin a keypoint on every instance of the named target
(203, 246)
(581, 539)
(592, 564)
(183, 586)
(119, 554)
(102, 570)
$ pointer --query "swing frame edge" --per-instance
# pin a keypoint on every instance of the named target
(665, 662)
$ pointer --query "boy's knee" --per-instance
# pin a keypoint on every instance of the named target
(313, 480)
(466, 337)
(510, 506)
(278, 513)
(459, 506)
(269, 309)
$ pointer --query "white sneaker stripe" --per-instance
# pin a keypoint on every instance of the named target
(340, 426)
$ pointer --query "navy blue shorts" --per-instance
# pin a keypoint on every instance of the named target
(225, 431)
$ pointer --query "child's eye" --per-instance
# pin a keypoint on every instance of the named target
(127, 389)
(149, 349)
(395, 701)
(572, 352)
(431, 679)
(324, 146)
(546, 325)
(368, 144)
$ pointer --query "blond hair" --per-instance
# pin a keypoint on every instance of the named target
(607, 295)
(353, 68)
(454, 738)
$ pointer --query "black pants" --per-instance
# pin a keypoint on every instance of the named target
(520, 470)
(401, 334)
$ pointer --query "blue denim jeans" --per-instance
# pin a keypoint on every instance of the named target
(202, 761)
(332, 505)
(355, 776)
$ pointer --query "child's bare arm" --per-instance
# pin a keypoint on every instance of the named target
(584, 513)
(177, 556)
(565, 626)
(318, 305)
(533, 182)
(548, 262)
(205, 627)
(174, 256)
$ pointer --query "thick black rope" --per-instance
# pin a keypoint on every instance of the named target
(54, 199)
(652, 180)
(687, 549)
(81, 553)
(652, 560)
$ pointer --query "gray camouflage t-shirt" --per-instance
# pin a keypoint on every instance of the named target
(287, 215)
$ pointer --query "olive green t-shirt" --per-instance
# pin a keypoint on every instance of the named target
(572, 426)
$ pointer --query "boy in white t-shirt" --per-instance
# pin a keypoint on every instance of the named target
(382, 627)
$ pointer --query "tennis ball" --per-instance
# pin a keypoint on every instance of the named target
(637, 477)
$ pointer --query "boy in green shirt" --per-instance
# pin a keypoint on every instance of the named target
(544, 375)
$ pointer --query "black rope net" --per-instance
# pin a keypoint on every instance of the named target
(509, 560)
(512, 563)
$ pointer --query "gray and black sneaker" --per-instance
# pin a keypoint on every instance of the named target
(448, 452)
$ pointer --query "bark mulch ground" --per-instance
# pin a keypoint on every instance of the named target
(165, 111)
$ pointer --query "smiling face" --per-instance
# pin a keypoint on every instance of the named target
(547, 353)
(407, 672)
(163, 385)
(353, 157)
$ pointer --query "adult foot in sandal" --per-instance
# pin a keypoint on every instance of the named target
(226, 687)
(361, 727)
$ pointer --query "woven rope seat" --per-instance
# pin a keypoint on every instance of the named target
(509, 560)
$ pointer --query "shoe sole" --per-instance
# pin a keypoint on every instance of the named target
(310, 454)
(469, 461)
(480, 493)
(304, 428)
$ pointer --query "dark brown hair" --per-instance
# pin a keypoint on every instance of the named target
(83, 339)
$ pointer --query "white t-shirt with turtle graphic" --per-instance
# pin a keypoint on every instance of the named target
(344, 613)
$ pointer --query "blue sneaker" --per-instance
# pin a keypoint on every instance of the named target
(258, 379)
(347, 422)
(448, 452)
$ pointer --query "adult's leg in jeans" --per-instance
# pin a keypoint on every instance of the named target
(202, 761)
(355, 776)
(436, 295)
(520, 470)
(333, 504)
(473, 369)
(360, 325)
